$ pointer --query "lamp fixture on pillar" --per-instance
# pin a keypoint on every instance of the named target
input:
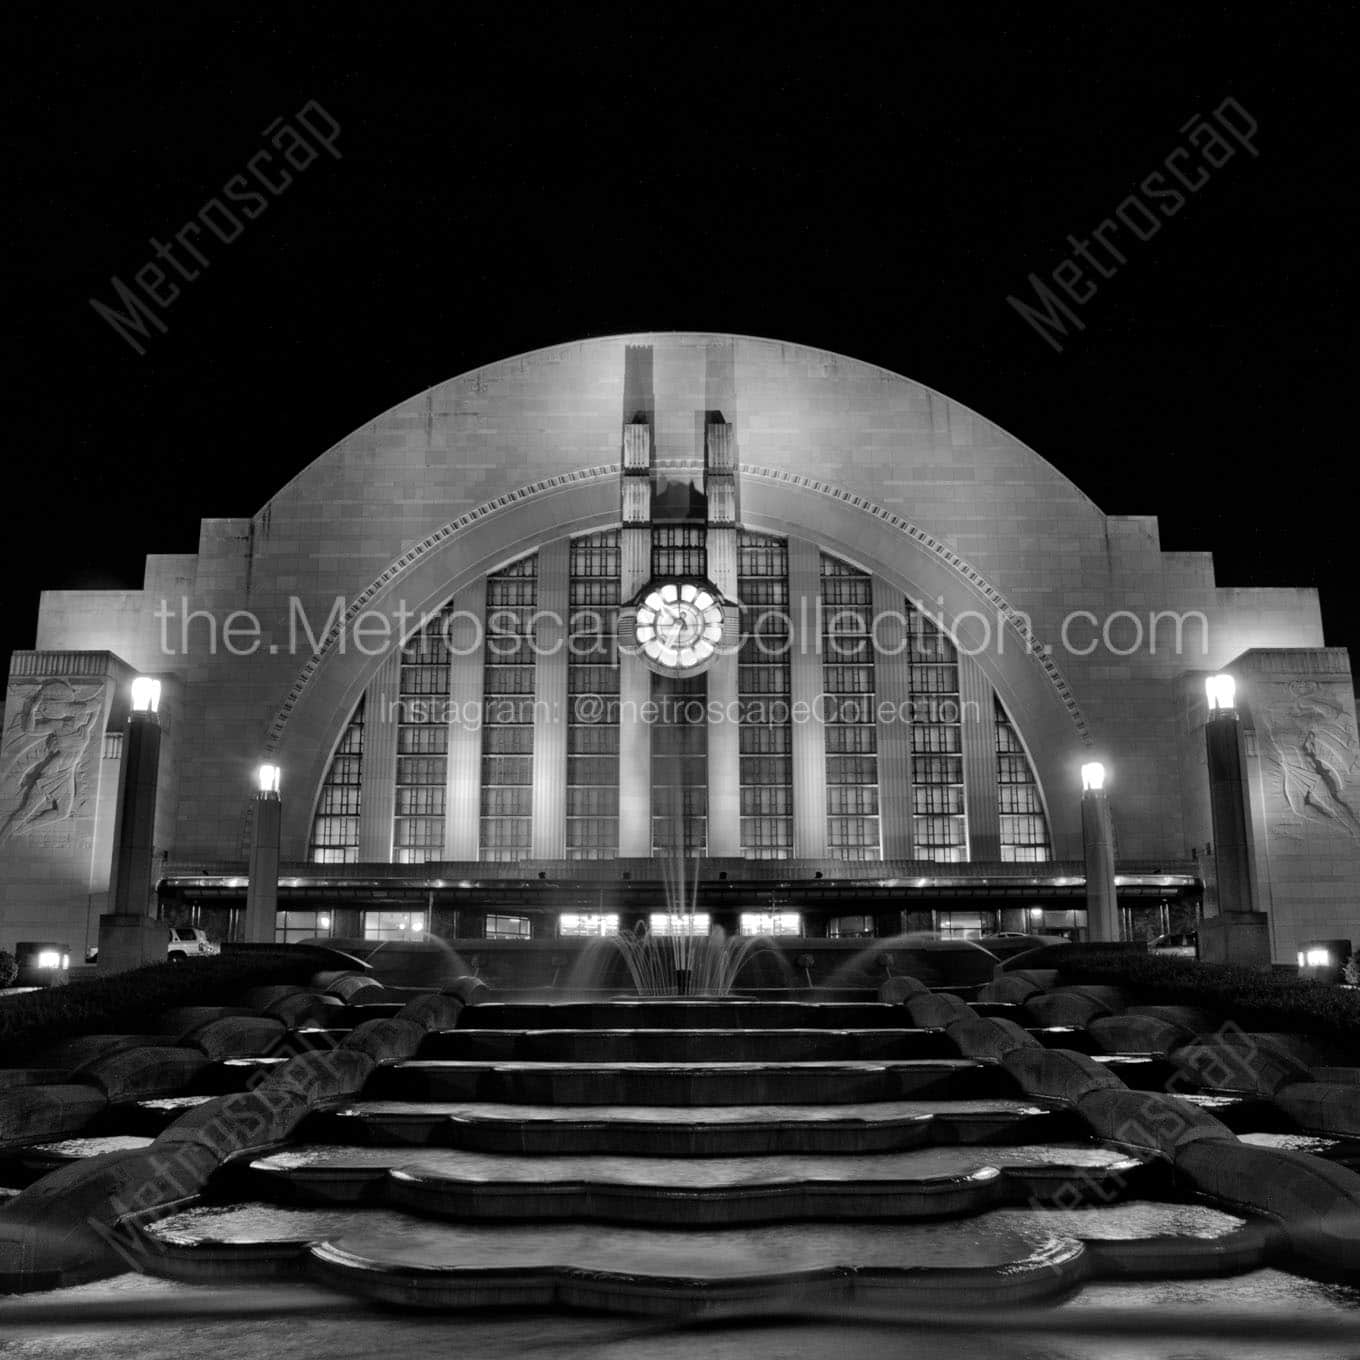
(130, 885)
(146, 694)
(1097, 837)
(1222, 692)
(262, 890)
(129, 934)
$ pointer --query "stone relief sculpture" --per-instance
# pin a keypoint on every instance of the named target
(43, 767)
(1312, 747)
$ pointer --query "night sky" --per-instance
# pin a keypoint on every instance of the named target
(818, 173)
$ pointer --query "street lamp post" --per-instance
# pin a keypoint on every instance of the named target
(262, 891)
(1097, 837)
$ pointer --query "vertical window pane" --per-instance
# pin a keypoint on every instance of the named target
(679, 740)
(422, 746)
(593, 699)
(939, 825)
(508, 713)
(335, 829)
(1024, 828)
(852, 830)
(763, 688)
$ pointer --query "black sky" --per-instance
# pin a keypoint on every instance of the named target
(819, 173)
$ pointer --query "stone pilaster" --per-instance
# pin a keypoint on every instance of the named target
(979, 761)
(805, 682)
(377, 800)
(892, 688)
(463, 789)
(550, 701)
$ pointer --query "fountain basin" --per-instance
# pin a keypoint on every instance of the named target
(659, 1271)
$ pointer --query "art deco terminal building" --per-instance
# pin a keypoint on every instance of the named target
(844, 640)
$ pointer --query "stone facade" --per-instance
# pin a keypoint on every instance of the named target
(1071, 616)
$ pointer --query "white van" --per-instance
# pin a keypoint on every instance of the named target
(188, 943)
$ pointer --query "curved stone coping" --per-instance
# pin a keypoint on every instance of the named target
(710, 1044)
(1316, 1201)
(83, 1049)
(660, 1271)
(13, 1077)
(31, 1114)
(1345, 1076)
(1331, 1108)
(927, 1182)
(685, 1083)
(713, 1130)
(140, 1072)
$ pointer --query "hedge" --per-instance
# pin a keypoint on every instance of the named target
(1252, 998)
(129, 1003)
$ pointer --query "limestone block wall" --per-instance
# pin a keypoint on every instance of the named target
(447, 485)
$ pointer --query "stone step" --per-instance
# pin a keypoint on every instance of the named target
(677, 1191)
(677, 1014)
(721, 1083)
(401, 1259)
(687, 1045)
(704, 1131)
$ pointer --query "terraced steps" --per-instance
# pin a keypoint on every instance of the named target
(700, 1131)
(678, 1014)
(725, 1083)
(705, 1045)
(929, 1182)
(397, 1259)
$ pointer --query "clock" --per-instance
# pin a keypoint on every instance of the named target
(679, 626)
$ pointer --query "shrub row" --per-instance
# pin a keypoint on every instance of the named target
(128, 1003)
(1256, 1000)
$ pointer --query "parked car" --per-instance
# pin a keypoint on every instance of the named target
(189, 943)
(182, 942)
(1184, 946)
(42, 963)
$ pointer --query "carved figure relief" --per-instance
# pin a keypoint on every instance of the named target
(44, 774)
(1312, 751)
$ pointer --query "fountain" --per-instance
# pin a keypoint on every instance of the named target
(675, 964)
(679, 961)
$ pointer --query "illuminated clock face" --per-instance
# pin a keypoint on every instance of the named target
(679, 625)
